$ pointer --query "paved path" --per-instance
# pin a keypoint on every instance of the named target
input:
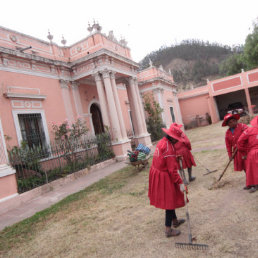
(44, 201)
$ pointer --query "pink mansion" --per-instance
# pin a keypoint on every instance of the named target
(97, 81)
(94, 79)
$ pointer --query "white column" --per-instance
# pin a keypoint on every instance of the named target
(8, 189)
(102, 100)
(177, 107)
(3, 151)
(136, 106)
(67, 101)
(77, 99)
(248, 101)
(118, 106)
(115, 127)
(140, 106)
(132, 109)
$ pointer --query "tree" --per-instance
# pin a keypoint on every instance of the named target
(248, 59)
(154, 120)
(251, 48)
(232, 65)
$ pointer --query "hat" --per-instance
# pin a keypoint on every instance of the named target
(174, 132)
(254, 122)
(228, 117)
(177, 125)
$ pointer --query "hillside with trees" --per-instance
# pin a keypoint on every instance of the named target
(193, 61)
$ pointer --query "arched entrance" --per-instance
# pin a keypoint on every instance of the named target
(96, 119)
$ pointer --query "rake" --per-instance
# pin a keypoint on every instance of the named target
(208, 171)
(189, 245)
(182, 172)
(215, 184)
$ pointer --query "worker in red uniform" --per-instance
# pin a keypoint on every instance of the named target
(183, 148)
(232, 135)
(248, 143)
(165, 184)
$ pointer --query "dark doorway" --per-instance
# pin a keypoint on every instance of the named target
(225, 101)
(254, 98)
(96, 119)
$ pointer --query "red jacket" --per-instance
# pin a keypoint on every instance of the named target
(248, 143)
(164, 179)
(231, 143)
(184, 149)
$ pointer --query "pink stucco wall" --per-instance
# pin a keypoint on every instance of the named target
(161, 85)
(88, 95)
(202, 99)
(13, 39)
(153, 72)
(168, 101)
(233, 83)
(8, 186)
(53, 105)
(194, 102)
(191, 107)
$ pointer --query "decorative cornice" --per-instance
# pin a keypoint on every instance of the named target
(107, 52)
(157, 79)
(24, 96)
(55, 65)
(20, 54)
(160, 86)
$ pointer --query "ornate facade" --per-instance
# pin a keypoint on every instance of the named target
(94, 79)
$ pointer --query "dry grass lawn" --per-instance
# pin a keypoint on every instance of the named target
(113, 218)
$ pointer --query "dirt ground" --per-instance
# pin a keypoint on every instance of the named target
(116, 220)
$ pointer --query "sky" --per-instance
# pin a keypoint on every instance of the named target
(145, 24)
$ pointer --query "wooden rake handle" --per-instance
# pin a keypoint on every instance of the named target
(233, 155)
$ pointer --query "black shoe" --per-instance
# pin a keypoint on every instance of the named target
(191, 179)
(178, 222)
(253, 189)
(172, 233)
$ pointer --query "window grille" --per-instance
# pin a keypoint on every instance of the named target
(32, 130)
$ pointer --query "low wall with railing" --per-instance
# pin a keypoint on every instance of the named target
(37, 166)
(38, 191)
